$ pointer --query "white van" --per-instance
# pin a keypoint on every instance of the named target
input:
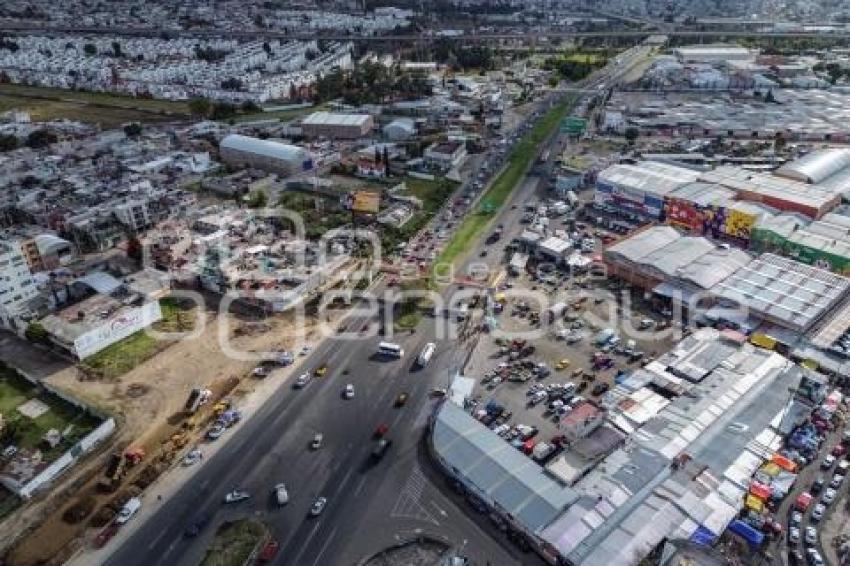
(130, 508)
(425, 354)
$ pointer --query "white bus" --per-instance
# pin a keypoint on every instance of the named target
(425, 354)
(391, 350)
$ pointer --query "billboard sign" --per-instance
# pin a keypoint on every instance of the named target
(117, 328)
(365, 201)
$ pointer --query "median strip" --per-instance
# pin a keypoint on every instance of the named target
(495, 197)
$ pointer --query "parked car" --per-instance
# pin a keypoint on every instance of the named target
(818, 511)
(827, 462)
(829, 496)
(794, 535)
(811, 536)
(316, 443)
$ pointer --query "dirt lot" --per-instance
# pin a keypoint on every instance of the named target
(148, 401)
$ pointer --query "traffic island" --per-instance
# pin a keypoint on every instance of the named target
(235, 543)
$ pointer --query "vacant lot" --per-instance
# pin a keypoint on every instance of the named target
(233, 543)
(107, 110)
(28, 433)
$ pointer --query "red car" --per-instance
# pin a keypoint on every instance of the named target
(839, 451)
(381, 430)
(269, 551)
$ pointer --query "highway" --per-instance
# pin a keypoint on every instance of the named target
(371, 505)
(22, 28)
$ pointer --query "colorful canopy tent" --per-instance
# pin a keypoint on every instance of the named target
(754, 503)
(703, 536)
(784, 462)
(745, 531)
(803, 501)
(760, 490)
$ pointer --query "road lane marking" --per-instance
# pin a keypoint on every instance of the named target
(360, 485)
(325, 546)
(157, 539)
(306, 543)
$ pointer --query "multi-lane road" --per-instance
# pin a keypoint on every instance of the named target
(371, 505)
(17, 27)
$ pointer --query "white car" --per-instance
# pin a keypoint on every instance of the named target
(281, 495)
(317, 441)
(348, 392)
(302, 380)
(811, 535)
(818, 511)
(126, 513)
(814, 557)
(829, 495)
(318, 506)
(193, 458)
(236, 496)
(794, 535)
(796, 518)
(215, 432)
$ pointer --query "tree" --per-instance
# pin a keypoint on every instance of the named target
(35, 332)
(116, 49)
(258, 199)
(223, 111)
(632, 134)
(41, 138)
(293, 92)
(769, 98)
(778, 142)
(89, 49)
(200, 107)
(132, 130)
(249, 107)
(134, 248)
(387, 161)
(232, 83)
(8, 142)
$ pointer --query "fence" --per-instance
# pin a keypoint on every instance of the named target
(66, 460)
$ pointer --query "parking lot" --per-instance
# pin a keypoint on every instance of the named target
(559, 336)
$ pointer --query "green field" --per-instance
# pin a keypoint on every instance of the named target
(121, 357)
(28, 433)
(282, 115)
(233, 543)
(519, 160)
(433, 194)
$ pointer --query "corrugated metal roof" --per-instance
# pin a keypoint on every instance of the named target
(788, 292)
(515, 482)
(336, 119)
(268, 148)
(652, 177)
(816, 166)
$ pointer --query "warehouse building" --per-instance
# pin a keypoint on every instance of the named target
(824, 243)
(662, 260)
(780, 291)
(781, 193)
(640, 189)
(400, 129)
(714, 54)
(686, 471)
(334, 125)
(499, 475)
(267, 155)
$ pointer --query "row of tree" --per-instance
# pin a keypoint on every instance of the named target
(371, 83)
(220, 110)
(37, 139)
